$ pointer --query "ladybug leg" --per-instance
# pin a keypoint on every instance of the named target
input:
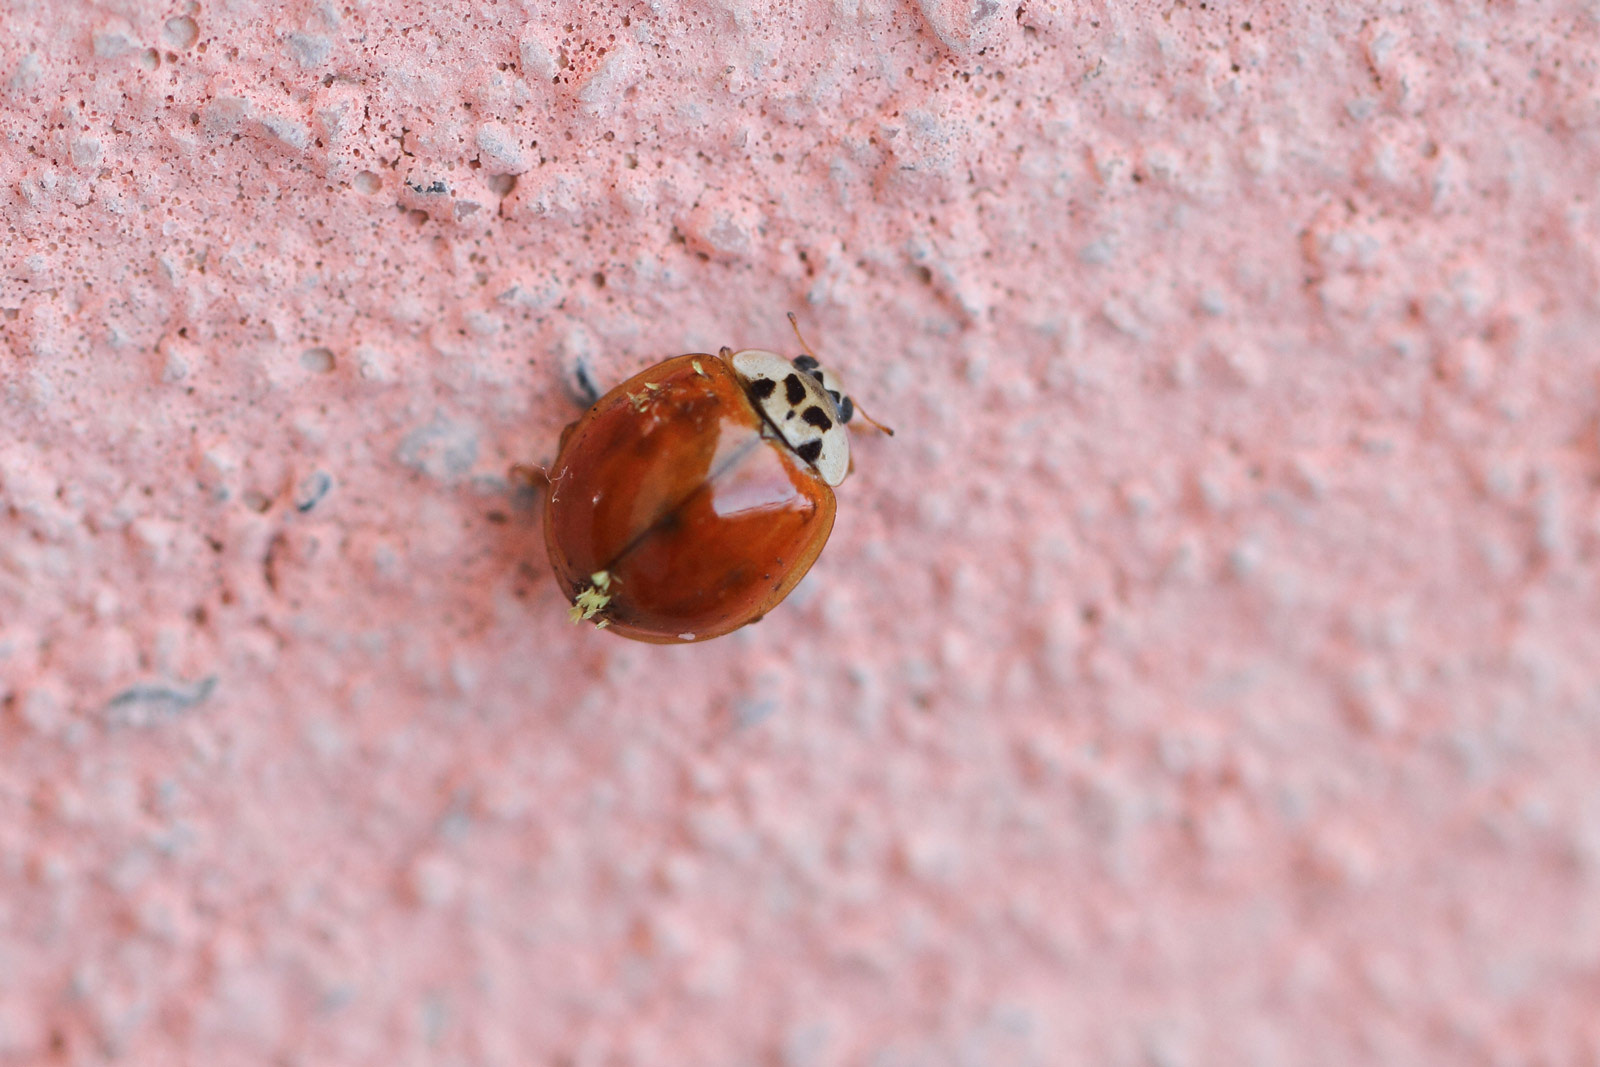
(794, 324)
(582, 386)
(527, 482)
(526, 476)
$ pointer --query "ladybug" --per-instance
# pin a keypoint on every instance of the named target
(692, 498)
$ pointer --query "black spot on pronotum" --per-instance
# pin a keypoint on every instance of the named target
(805, 363)
(847, 409)
(793, 389)
(762, 388)
(817, 417)
(810, 451)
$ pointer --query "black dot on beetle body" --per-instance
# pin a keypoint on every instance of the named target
(810, 451)
(794, 390)
(817, 417)
(762, 388)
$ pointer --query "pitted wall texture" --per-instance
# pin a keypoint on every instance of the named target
(1208, 672)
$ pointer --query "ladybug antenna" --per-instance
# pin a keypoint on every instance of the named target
(874, 423)
(851, 408)
(795, 323)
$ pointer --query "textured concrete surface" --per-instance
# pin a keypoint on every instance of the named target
(1208, 673)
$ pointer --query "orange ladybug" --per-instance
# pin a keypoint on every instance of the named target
(692, 498)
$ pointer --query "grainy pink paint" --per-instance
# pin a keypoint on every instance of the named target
(1208, 673)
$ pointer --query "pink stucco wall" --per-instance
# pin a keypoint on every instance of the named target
(1207, 673)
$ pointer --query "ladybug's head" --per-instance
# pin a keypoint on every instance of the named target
(797, 405)
(804, 404)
